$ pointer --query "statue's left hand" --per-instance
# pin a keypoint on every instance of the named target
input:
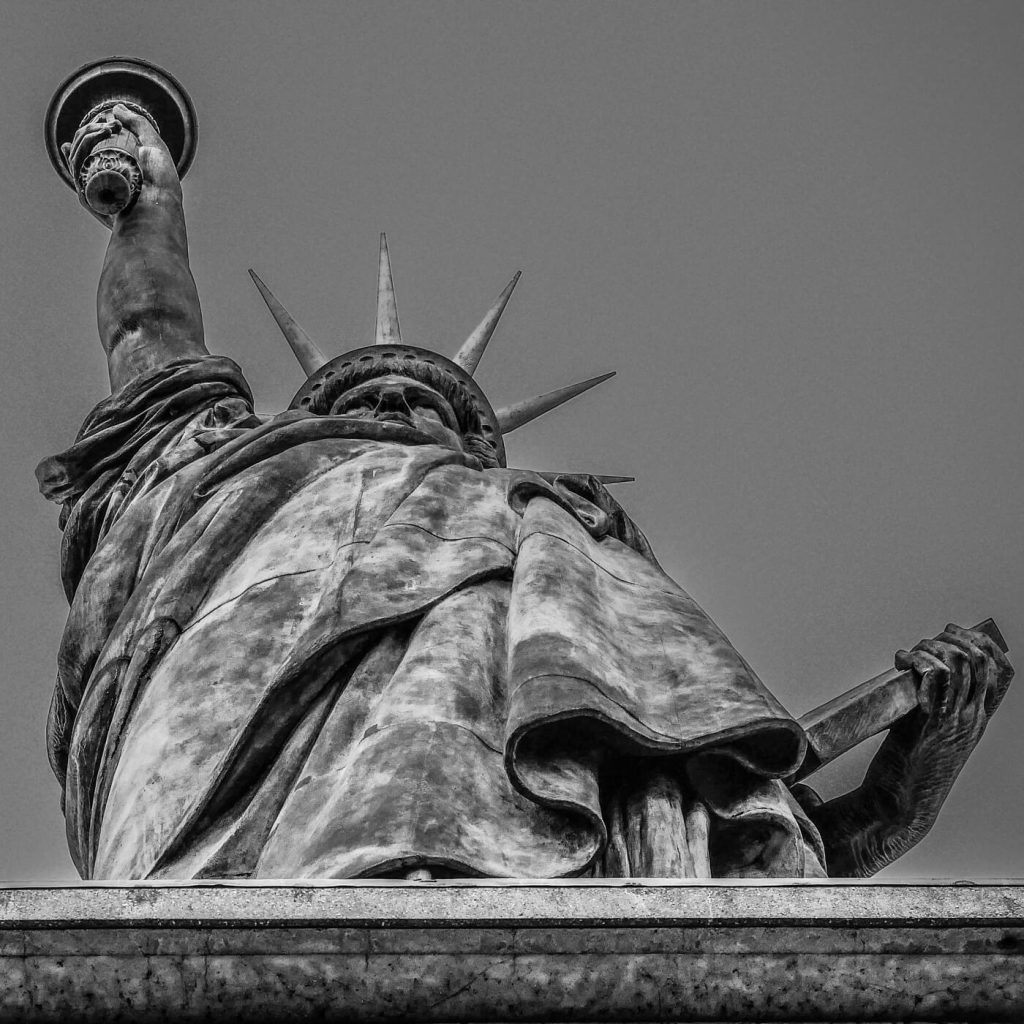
(962, 676)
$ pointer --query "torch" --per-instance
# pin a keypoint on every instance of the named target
(110, 179)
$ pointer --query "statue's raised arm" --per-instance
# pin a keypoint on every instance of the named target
(147, 305)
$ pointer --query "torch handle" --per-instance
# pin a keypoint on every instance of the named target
(111, 179)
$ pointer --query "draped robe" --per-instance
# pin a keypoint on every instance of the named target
(312, 646)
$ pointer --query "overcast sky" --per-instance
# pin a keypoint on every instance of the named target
(796, 230)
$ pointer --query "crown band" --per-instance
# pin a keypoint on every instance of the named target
(473, 411)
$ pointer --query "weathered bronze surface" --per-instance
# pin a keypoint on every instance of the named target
(349, 640)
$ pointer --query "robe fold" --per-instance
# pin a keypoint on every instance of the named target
(311, 646)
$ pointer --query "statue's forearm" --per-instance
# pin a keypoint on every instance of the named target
(893, 810)
(863, 832)
(147, 304)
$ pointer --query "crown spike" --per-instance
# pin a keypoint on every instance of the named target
(469, 356)
(599, 477)
(388, 332)
(512, 417)
(306, 350)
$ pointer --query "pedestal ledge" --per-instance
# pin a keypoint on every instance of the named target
(505, 951)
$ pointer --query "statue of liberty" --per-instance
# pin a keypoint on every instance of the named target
(347, 640)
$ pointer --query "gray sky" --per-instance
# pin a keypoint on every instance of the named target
(796, 229)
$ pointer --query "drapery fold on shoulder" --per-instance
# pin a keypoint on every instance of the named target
(120, 426)
(126, 436)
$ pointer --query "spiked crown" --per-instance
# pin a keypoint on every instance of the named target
(328, 379)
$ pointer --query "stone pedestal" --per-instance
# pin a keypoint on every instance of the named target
(498, 951)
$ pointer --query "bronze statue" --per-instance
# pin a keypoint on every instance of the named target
(347, 640)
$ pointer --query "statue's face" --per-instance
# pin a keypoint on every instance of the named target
(395, 399)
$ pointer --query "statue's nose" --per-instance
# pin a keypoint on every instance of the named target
(392, 400)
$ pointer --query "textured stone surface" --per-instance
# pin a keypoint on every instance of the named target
(482, 951)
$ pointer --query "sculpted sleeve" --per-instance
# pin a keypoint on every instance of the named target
(162, 420)
(132, 437)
